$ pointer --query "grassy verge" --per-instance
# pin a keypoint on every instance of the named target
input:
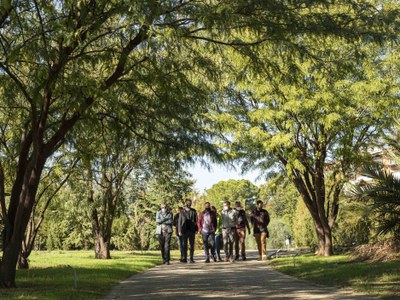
(50, 278)
(378, 279)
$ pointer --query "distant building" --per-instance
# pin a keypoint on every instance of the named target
(383, 157)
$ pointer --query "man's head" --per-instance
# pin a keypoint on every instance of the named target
(214, 209)
(260, 204)
(207, 206)
(188, 203)
(163, 207)
(238, 204)
(227, 205)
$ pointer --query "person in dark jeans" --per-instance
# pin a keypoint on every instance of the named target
(187, 228)
(207, 225)
(164, 230)
(218, 235)
(179, 237)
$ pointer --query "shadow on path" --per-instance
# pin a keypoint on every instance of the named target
(249, 279)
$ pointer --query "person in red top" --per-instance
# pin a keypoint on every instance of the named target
(207, 224)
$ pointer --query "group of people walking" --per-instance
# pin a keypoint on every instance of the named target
(227, 227)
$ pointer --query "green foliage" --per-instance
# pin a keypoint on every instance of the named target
(383, 194)
(303, 227)
(282, 197)
(355, 224)
(278, 232)
(233, 190)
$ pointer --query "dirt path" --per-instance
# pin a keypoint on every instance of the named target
(240, 280)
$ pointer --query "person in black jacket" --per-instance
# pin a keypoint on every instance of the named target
(260, 220)
(180, 238)
(187, 228)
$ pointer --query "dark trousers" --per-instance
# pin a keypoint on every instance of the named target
(188, 236)
(180, 241)
(208, 236)
(228, 236)
(165, 243)
(217, 243)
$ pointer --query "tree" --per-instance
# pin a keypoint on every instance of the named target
(232, 190)
(313, 116)
(61, 61)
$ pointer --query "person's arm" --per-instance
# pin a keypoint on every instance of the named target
(200, 222)
(266, 218)
(196, 220)
(158, 218)
(246, 222)
(180, 221)
(168, 219)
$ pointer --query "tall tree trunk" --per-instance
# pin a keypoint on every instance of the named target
(8, 264)
(102, 246)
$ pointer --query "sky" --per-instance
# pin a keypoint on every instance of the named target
(205, 179)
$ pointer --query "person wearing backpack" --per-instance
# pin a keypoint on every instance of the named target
(240, 238)
(187, 228)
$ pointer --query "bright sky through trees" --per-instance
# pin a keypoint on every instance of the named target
(206, 178)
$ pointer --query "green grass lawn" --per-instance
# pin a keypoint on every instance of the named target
(49, 278)
(379, 279)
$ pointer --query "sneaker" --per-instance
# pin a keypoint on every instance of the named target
(259, 258)
(167, 262)
(219, 258)
(214, 258)
(237, 257)
(207, 260)
(192, 261)
(226, 259)
(184, 260)
(232, 260)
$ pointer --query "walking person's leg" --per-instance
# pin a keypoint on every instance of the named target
(225, 238)
(218, 241)
(162, 242)
(257, 236)
(212, 245)
(191, 242)
(180, 240)
(205, 245)
(232, 238)
(167, 247)
(185, 246)
(237, 245)
(242, 241)
(264, 245)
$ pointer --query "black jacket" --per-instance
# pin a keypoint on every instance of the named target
(187, 222)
